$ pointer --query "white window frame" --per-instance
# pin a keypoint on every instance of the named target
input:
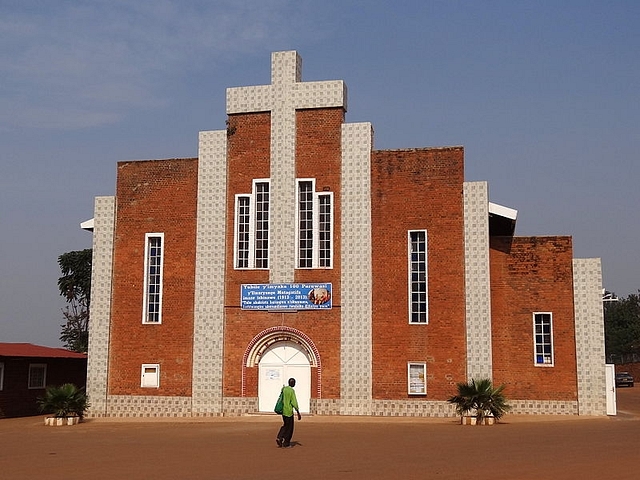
(33, 366)
(143, 372)
(145, 293)
(410, 282)
(542, 344)
(417, 385)
(315, 212)
(1, 376)
(251, 260)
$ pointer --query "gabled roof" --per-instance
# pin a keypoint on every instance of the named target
(31, 350)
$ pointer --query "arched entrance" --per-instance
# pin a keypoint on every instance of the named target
(282, 361)
(278, 354)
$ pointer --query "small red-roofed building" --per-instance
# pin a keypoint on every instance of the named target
(26, 370)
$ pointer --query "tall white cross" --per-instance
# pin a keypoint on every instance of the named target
(282, 98)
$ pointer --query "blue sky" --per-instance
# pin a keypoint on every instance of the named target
(543, 95)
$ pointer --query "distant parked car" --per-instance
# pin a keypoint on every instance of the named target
(624, 379)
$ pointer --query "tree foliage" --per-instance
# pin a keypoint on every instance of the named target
(75, 287)
(622, 326)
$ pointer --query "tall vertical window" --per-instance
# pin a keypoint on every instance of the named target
(242, 228)
(314, 217)
(37, 375)
(543, 339)
(305, 224)
(251, 242)
(325, 230)
(262, 225)
(418, 293)
(152, 311)
(1, 375)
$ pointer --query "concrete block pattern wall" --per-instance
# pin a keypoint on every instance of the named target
(208, 335)
(477, 282)
(149, 406)
(589, 320)
(543, 407)
(101, 274)
(356, 309)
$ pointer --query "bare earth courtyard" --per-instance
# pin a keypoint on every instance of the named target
(327, 447)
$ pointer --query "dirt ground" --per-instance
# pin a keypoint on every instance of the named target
(521, 447)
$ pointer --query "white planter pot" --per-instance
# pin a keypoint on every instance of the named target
(60, 421)
(472, 420)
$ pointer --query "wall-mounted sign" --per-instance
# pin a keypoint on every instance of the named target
(417, 378)
(285, 296)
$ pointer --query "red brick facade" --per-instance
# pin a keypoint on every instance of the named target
(209, 351)
(154, 196)
(318, 154)
(533, 274)
(416, 190)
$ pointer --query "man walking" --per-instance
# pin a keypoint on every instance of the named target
(289, 404)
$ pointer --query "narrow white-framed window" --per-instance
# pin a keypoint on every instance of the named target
(325, 230)
(251, 237)
(417, 378)
(150, 375)
(314, 232)
(153, 274)
(37, 375)
(543, 339)
(243, 230)
(418, 289)
(1, 376)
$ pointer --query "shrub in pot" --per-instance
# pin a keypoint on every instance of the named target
(64, 401)
(480, 399)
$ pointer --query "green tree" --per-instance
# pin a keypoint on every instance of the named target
(622, 326)
(75, 287)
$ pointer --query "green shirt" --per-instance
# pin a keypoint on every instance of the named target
(289, 401)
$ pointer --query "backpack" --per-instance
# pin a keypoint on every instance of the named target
(279, 404)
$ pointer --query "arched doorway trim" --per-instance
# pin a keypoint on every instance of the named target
(261, 342)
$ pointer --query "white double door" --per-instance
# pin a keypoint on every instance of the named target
(279, 363)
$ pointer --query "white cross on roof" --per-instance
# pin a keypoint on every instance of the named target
(286, 94)
(286, 89)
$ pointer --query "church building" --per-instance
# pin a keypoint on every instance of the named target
(290, 247)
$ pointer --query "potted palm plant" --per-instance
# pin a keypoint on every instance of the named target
(478, 402)
(67, 403)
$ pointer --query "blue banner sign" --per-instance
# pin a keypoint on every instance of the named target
(285, 296)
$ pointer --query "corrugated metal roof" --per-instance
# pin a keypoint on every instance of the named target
(31, 350)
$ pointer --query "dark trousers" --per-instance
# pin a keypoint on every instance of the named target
(286, 430)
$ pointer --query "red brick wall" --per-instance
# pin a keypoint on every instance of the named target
(318, 156)
(532, 274)
(415, 190)
(154, 197)
(248, 154)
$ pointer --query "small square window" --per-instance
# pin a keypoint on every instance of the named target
(37, 375)
(417, 378)
(150, 376)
